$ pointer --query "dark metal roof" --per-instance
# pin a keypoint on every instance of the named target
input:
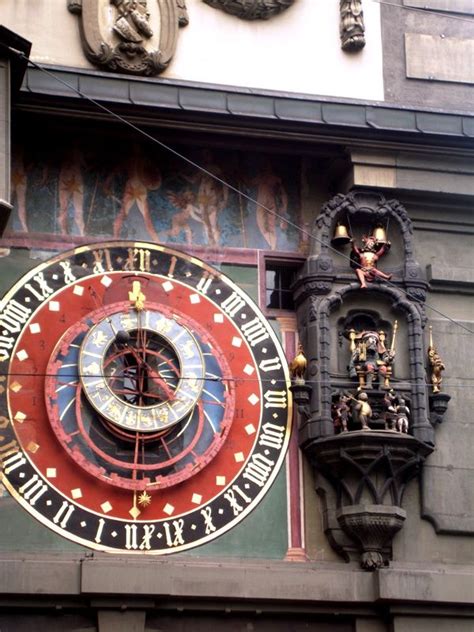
(271, 108)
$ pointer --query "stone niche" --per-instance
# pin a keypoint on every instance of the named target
(364, 399)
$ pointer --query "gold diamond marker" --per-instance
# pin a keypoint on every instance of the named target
(15, 387)
(32, 447)
(134, 512)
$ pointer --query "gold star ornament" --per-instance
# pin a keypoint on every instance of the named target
(144, 499)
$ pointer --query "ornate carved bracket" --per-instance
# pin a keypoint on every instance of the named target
(438, 407)
(251, 9)
(369, 472)
(301, 397)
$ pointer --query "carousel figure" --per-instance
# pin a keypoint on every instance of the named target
(340, 413)
(370, 358)
(402, 413)
(436, 365)
(365, 257)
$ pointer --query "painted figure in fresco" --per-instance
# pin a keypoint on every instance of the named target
(180, 221)
(369, 358)
(212, 197)
(71, 192)
(271, 195)
(139, 181)
(363, 410)
(366, 259)
(19, 184)
(272, 200)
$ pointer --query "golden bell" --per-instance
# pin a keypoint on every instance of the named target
(380, 235)
(341, 236)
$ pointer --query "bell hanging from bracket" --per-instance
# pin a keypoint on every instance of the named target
(341, 236)
(379, 235)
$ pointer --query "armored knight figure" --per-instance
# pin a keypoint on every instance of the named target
(370, 358)
(436, 365)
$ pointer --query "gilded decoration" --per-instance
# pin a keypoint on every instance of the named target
(130, 36)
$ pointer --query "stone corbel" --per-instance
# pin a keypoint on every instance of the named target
(438, 407)
(301, 397)
(368, 471)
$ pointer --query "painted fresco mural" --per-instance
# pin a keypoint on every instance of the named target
(123, 190)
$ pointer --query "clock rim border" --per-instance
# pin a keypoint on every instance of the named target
(290, 422)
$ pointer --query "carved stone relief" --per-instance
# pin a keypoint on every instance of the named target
(131, 36)
(251, 9)
(352, 27)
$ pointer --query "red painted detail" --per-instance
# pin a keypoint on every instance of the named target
(37, 376)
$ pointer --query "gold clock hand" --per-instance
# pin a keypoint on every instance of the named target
(137, 297)
(134, 511)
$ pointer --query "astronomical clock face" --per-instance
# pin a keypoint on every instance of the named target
(144, 398)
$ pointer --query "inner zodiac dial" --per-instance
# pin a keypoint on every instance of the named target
(147, 398)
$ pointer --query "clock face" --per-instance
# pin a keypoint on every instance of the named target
(144, 398)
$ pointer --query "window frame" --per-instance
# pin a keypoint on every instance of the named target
(274, 258)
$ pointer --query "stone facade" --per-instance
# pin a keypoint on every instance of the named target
(301, 159)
